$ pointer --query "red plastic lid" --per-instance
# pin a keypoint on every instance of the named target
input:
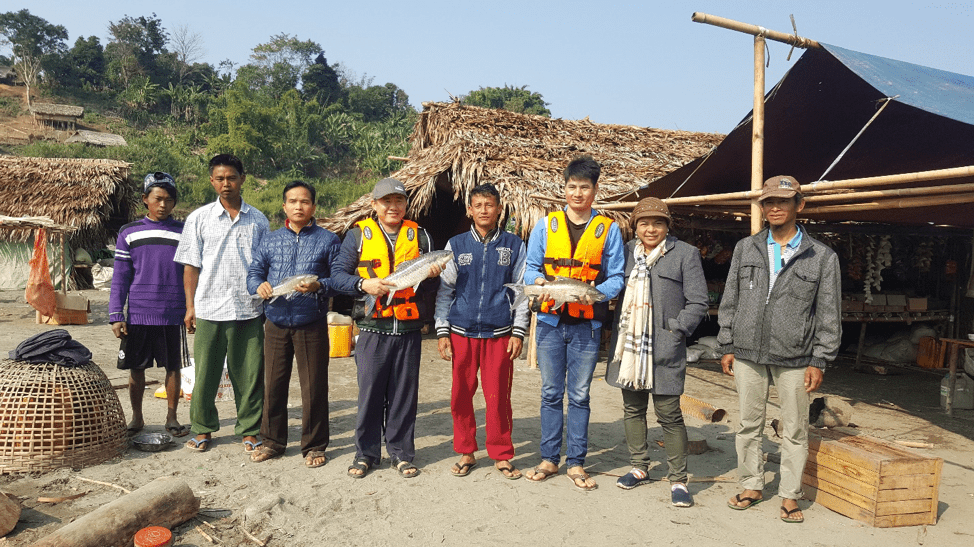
(153, 536)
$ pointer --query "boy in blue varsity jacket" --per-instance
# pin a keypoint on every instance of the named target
(147, 278)
(478, 330)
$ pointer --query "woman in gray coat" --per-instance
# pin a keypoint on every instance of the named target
(664, 301)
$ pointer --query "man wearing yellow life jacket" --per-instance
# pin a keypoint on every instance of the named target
(388, 349)
(575, 242)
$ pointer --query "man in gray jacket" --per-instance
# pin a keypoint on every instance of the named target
(779, 321)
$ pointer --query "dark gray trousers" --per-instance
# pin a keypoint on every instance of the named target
(388, 393)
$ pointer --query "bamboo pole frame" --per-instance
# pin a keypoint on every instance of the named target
(730, 24)
(847, 184)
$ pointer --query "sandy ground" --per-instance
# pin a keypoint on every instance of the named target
(292, 505)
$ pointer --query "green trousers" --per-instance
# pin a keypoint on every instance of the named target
(635, 405)
(242, 344)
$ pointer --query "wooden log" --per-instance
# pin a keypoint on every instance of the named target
(699, 409)
(9, 514)
(166, 502)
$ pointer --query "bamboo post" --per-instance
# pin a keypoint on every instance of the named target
(64, 278)
(532, 356)
(757, 133)
(909, 203)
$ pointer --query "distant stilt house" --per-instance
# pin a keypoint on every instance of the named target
(456, 147)
(93, 196)
(59, 116)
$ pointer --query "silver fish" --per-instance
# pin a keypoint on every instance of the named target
(288, 288)
(561, 290)
(410, 274)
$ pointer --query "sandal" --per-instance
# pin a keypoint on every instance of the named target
(751, 502)
(584, 477)
(250, 446)
(404, 468)
(362, 465)
(543, 473)
(198, 445)
(313, 455)
(461, 469)
(509, 471)
(788, 515)
(177, 430)
(264, 453)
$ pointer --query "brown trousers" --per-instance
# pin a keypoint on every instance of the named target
(308, 345)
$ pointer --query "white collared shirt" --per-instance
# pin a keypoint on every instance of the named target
(222, 248)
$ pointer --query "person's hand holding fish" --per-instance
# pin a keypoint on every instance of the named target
(305, 284)
(377, 286)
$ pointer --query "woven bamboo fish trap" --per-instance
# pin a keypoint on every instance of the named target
(53, 416)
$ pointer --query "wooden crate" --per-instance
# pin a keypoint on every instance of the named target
(930, 353)
(871, 481)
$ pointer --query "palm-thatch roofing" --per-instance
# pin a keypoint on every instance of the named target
(90, 195)
(65, 110)
(96, 138)
(456, 147)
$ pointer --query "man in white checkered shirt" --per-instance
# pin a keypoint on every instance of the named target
(216, 249)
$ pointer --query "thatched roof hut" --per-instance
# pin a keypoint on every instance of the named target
(54, 114)
(456, 147)
(96, 138)
(91, 195)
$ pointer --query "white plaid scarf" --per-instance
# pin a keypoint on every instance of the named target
(634, 347)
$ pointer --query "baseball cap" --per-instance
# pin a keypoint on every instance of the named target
(650, 208)
(388, 186)
(781, 186)
(162, 180)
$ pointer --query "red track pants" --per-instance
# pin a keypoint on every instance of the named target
(490, 356)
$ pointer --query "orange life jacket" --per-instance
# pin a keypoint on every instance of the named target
(376, 260)
(584, 265)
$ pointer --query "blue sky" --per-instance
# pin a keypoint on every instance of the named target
(635, 63)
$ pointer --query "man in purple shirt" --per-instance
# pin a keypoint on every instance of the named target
(146, 276)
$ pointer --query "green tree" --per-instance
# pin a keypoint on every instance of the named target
(378, 102)
(31, 39)
(277, 66)
(320, 82)
(135, 44)
(513, 99)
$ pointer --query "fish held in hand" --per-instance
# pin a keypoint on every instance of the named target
(289, 287)
(410, 274)
(561, 290)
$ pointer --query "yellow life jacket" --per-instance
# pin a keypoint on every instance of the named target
(375, 260)
(584, 265)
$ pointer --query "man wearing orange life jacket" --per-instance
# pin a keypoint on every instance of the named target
(388, 349)
(575, 242)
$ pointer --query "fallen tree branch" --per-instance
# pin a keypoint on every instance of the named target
(127, 491)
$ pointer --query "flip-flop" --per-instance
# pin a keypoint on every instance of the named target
(583, 476)
(360, 465)
(788, 515)
(250, 446)
(751, 502)
(508, 471)
(178, 430)
(133, 431)
(264, 453)
(195, 444)
(463, 469)
(545, 474)
(312, 456)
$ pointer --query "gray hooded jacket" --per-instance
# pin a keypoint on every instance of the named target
(799, 324)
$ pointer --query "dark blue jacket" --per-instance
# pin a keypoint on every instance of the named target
(472, 300)
(282, 254)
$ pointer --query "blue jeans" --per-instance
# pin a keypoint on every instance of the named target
(566, 356)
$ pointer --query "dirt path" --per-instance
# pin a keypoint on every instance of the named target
(298, 506)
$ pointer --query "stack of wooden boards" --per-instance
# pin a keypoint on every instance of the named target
(871, 481)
